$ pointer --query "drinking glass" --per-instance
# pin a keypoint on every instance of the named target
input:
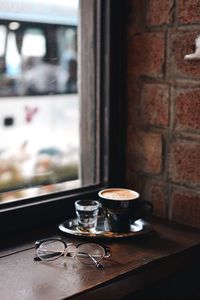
(87, 214)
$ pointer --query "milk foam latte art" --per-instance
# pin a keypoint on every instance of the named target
(119, 194)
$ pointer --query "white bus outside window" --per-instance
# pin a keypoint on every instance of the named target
(39, 98)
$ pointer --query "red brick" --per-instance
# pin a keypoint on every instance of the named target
(144, 151)
(160, 12)
(134, 100)
(155, 192)
(184, 163)
(133, 95)
(188, 109)
(188, 11)
(155, 104)
(146, 55)
(186, 208)
(180, 44)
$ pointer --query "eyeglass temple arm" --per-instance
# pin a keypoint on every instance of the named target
(98, 265)
(108, 251)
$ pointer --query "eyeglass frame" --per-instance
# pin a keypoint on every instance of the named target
(107, 250)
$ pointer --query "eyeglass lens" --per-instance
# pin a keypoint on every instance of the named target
(89, 253)
(51, 250)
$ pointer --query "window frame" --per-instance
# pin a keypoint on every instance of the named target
(109, 91)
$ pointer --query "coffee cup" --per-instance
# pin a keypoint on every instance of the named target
(121, 207)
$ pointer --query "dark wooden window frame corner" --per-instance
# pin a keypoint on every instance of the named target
(109, 32)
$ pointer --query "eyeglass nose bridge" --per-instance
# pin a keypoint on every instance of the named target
(69, 252)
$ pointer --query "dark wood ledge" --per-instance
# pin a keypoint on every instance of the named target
(137, 264)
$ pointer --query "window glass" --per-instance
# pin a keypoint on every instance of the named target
(13, 60)
(3, 39)
(40, 102)
(33, 37)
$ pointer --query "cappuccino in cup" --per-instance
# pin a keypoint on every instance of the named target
(119, 194)
(123, 206)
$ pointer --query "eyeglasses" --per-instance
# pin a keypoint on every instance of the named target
(86, 253)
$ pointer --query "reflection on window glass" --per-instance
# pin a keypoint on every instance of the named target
(3, 39)
(33, 37)
(13, 59)
(39, 101)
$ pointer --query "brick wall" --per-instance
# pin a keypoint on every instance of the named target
(163, 91)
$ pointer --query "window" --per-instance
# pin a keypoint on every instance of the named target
(39, 100)
(73, 131)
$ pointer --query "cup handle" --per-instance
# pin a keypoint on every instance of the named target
(144, 208)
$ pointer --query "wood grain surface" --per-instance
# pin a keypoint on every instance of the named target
(135, 263)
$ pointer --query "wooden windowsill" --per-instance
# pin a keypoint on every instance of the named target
(135, 263)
